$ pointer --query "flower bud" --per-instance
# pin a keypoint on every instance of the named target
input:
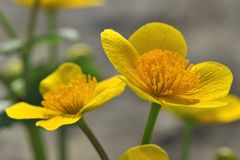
(225, 153)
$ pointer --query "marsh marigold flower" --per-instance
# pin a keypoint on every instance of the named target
(60, 4)
(153, 64)
(225, 153)
(67, 95)
(225, 114)
(145, 152)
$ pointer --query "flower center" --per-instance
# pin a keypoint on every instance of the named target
(166, 73)
(70, 98)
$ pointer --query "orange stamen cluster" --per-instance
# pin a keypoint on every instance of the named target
(166, 73)
(70, 98)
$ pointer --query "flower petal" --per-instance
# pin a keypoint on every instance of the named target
(57, 121)
(179, 103)
(140, 92)
(62, 3)
(64, 73)
(105, 91)
(225, 114)
(145, 152)
(120, 53)
(80, 3)
(158, 36)
(222, 114)
(215, 81)
(23, 110)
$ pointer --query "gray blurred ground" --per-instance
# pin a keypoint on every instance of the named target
(211, 28)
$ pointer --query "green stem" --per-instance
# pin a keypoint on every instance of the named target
(152, 117)
(83, 125)
(36, 140)
(52, 26)
(34, 133)
(26, 51)
(33, 19)
(62, 144)
(12, 34)
(6, 26)
(6, 84)
(187, 138)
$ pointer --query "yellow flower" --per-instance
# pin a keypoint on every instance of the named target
(153, 64)
(145, 152)
(225, 114)
(67, 95)
(225, 153)
(59, 4)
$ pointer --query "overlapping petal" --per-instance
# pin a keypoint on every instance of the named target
(215, 81)
(62, 4)
(145, 152)
(121, 53)
(57, 121)
(225, 114)
(161, 36)
(228, 113)
(63, 75)
(24, 110)
(105, 91)
(140, 92)
(173, 103)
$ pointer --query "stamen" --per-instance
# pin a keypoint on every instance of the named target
(166, 73)
(70, 98)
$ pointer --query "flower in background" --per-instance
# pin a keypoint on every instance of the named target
(81, 54)
(225, 153)
(12, 67)
(225, 114)
(145, 152)
(62, 4)
(67, 95)
(153, 64)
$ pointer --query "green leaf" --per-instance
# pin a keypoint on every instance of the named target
(11, 45)
(64, 34)
(4, 119)
(67, 34)
(81, 54)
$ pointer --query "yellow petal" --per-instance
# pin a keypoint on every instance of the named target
(105, 91)
(187, 105)
(158, 36)
(225, 114)
(58, 4)
(120, 52)
(140, 92)
(26, 111)
(145, 152)
(57, 121)
(80, 3)
(221, 114)
(215, 81)
(63, 75)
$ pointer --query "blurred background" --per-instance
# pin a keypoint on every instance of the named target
(211, 28)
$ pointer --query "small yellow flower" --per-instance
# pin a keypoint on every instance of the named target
(226, 114)
(61, 4)
(145, 152)
(67, 95)
(225, 153)
(153, 64)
